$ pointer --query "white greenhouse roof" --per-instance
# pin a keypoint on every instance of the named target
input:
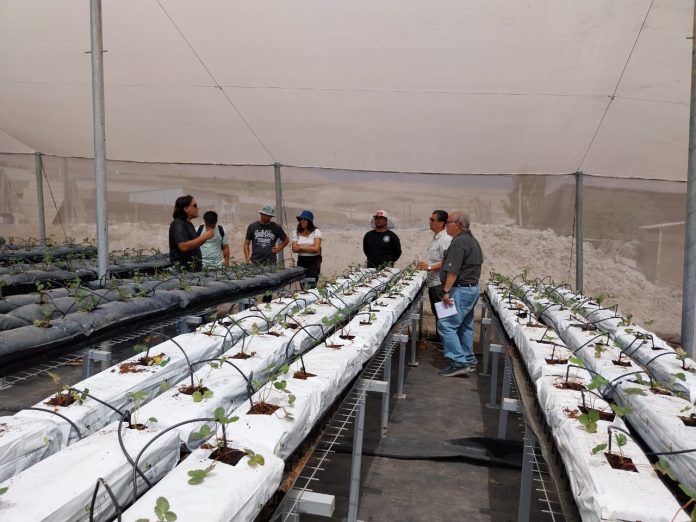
(454, 86)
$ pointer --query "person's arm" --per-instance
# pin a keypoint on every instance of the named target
(396, 247)
(226, 254)
(193, 244)
(435, 267)
(447, 288)
(247, 251)
(284, 241)
(306, 249)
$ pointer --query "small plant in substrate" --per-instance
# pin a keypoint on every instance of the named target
(683, 356)
(163, 512)
(663, 467)
(617, 461)
(86, 303)
(275, 379)
(199, 391)
(138, 399)
(222, 452)
(46, 312)
(64, 395)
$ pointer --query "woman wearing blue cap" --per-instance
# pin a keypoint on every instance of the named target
(306, 243)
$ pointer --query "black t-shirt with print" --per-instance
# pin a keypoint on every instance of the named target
(263, 238)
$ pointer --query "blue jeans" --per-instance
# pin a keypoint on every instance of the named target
(457, 331)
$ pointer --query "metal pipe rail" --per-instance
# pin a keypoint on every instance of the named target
(375, 377)
(541, 462)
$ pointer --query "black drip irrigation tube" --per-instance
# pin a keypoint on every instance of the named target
(72, 423)
(114, 500)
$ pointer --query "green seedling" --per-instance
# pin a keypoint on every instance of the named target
(64, 391)
(589, 420)
(255, 459)
(46, 316)
(198, 475)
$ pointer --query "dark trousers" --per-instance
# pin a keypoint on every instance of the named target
(435, 294)
(312, 264)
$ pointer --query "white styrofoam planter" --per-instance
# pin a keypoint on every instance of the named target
(227, 493)
(60, 487)
(24, 442)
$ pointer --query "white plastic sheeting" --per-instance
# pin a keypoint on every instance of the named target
(475, 86)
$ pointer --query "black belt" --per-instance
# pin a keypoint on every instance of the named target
(465, 285)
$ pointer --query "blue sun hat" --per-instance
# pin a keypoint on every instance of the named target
(306, 214)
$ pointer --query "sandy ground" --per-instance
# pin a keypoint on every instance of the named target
(507, 249)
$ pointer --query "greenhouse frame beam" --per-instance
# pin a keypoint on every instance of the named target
(579, 230)
(97, 50)
(39, 195)
(689, 289)
(280, 211)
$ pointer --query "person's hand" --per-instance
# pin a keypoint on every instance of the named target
(295, 248)
(276, 249)
(208, 234)
(422, 265)
(447, 299)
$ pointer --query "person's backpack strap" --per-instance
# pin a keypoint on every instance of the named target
(200, 229)
(222, 231)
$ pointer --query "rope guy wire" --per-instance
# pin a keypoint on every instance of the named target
(50, 191)
(217, 84)
(616, 88)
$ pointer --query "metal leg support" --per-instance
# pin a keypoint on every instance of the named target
(526, 480)
(402, 367)
(505, 393)
(354, 496)
(415, 321)
(94, 355)
(495, 350)
(485, 339)
(385, 396)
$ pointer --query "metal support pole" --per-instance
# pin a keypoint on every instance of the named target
(579, 231)
(354, 496)
(280, 211)
(526, 480)
(484, 338)
(402, 367)
(39, 195)
(385, 396)
(505, 393)
(415, 321)
(95, 18)
(493, 400)
(688, 325)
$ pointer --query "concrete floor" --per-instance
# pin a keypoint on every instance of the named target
(435, 409)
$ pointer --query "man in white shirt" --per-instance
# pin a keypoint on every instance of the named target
(435, 254)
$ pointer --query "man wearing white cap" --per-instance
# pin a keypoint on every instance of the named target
(262, 236)
(381, 246)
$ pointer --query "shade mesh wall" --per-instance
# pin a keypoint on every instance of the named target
(634, 229)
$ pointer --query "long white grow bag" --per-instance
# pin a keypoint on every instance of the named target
(60, 487)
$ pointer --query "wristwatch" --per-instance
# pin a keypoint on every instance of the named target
(429, 269)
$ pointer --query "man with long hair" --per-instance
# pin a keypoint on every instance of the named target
(184, 243)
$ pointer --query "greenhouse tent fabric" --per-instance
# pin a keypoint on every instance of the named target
(456, 86)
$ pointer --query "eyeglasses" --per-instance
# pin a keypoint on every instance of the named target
(431, 220)
(194, 205)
